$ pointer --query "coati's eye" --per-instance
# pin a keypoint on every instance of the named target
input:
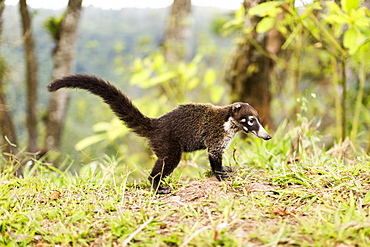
(251, 121)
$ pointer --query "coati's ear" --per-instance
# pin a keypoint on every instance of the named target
(236, 106)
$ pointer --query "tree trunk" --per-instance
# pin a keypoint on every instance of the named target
(63, 63)
(31, 77)
(366, 3)
(177, 37)
(248, 73)
(8, 134)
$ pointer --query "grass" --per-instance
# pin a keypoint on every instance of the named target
(286, 192)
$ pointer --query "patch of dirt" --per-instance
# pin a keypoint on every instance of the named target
(195, 191)
(202, 190)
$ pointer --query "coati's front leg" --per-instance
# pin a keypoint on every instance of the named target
(163, 167)
(215, 159)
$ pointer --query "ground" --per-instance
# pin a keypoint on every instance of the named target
(276, 197)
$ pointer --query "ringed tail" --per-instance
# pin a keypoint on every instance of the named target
(120, 104)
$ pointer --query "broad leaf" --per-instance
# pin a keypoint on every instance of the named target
(88, 141)
(353, 40)
(265, 24)
(263, 8)
(158, 79)
(350, 38)
(348, 5)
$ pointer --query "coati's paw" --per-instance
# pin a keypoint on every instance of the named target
(227, 169)
(222, 175)
(163, 190)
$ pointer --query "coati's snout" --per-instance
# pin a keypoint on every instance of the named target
(247, 119)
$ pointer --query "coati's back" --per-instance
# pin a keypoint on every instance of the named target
(192, 125)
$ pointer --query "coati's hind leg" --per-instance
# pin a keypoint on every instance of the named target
(163, 167)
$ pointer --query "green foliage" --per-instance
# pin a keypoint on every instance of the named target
(180, 82)
(53, 26)
(341, 32)
(108, 132)
(218, 24)
(3, 67)
(236, 24)
(270, 9)
(351, 19)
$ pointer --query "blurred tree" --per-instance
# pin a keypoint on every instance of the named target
(31, 77)
(248, 72)
(65, 39)
(366, 3)
(7, 127)
(178, 31)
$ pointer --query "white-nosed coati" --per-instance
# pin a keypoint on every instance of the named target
(188, 128)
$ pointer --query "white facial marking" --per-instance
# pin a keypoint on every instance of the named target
(251, 120)
(243, 120)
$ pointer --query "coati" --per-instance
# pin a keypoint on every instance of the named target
(188, 128)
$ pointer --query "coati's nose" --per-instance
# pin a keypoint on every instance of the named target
(268, 137)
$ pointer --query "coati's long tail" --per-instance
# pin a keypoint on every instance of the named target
(120, 104)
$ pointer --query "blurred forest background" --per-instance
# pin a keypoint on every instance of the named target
(293, 64)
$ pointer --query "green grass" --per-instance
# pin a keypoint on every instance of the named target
(286, 192)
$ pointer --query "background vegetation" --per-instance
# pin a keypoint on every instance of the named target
(308, 186)
(115, 57)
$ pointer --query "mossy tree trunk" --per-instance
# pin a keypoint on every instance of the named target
(178, 31)
(8, 138)
(248, 72)
(366, 3)
(31, 79)
(63, 63)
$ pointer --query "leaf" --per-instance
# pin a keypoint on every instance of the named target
(263, 8)
(337, 18)
(348, 5)
(360, 19)
(210, 77)
(265, 25)
(353, 39)
(116, 130)
(284, 211)
(101, 126)
(53, 26)
(158, 79)
(362, 23)
(141, 77)
(88, 141)
(158, 60)
(333, 7)
(350, 38)
(192, 83)
(216, 93)
(55, 195)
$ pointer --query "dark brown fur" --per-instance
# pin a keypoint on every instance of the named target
(187, 128)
